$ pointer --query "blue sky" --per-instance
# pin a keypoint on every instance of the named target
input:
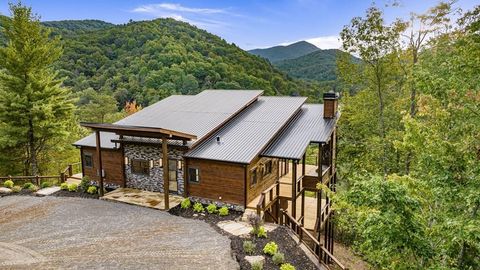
(247, 23)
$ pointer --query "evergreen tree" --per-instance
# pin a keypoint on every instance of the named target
(34, 109)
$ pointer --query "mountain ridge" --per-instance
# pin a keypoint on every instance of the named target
(281, 52)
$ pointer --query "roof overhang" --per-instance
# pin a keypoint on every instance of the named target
(149, 132)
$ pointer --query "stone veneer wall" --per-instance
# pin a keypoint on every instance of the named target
(154, 181)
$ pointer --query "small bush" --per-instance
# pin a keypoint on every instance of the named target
(33, 188)
(46, 184)
(223, 211)
(8, 184)
(270, 248)
(211, 208)
(255, 221)
(16, 189)
(278, 258)
(84, 184)
(27, 185)
(257, 265)
(63, 186)
(261, 233)
(287, 266)
(198, 207)
(92, 190)
(186, 203)
(248, 247)
(72, 187)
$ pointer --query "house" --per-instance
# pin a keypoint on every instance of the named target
(234, 147)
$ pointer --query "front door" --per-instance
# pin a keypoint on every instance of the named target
(172, 173)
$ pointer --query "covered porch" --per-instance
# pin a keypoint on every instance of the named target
(135, 196)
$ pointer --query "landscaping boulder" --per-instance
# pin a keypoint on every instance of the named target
(253, 259)
(4, 190)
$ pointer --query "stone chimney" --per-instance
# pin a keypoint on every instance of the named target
(330, 104)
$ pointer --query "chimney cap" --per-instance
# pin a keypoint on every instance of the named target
(331, 95)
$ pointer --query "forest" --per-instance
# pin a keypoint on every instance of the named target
(409, 132)
(409, 140)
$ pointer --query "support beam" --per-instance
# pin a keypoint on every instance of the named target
(294, 189)
(99, 160)
(303, 164)
(166, 177)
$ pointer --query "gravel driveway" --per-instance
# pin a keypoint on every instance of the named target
(59, 233)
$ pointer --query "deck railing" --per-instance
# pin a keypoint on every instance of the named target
(68, 172)
(267, 199)
(308, 239)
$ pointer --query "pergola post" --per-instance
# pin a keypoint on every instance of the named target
(99, 160)
(319, 171)
(166, 176)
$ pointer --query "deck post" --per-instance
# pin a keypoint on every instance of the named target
(166, 177)
(319, 172)
(303, 164)
(99, 160)
(294, 188)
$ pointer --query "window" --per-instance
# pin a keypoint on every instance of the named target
(268, 168)
(193, 175)
(88, 160)
(140, 166)
(253, 177)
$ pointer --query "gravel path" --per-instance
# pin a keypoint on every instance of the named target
(59, 233)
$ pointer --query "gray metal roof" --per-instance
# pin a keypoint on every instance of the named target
(308, 126)
(198, 115)
(244, 137)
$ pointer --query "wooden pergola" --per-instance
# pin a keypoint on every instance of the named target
(137, 131)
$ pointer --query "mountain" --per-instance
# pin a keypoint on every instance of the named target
(149, 60)
(279, 53)
(319, 65)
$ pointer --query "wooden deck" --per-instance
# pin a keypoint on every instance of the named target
(286, 192)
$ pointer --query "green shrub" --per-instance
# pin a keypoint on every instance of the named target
(186, 203)
(84, 184)
(211, 208)
(223, 211)
(33, 188)
(92, 190)
(8, 184)
(46, 184)
(72, 187)
(287, 266)
(16, 189)
(27, 185)
(270, 248)
(248, 247)
(278, 258)
(63, 186)
(257, 265)
(261, 233)
(198, 207)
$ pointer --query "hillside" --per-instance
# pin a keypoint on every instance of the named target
(149, 60)
(279, 53)
(319, 65)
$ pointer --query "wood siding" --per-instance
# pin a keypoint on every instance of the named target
(263, 182)
(112, 161)
(219, 181)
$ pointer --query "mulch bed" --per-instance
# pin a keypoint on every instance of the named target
(286, 245)
(23, 192)
(78, 194)
(211, 219)
(293, 254)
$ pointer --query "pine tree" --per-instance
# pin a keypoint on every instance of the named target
(34, 108)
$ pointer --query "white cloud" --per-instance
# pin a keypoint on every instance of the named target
(325, 42)
(162, 8)
(207, 18)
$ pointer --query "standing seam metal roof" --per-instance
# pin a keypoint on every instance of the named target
(309, 126)
(244, 137)
(198, 115)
